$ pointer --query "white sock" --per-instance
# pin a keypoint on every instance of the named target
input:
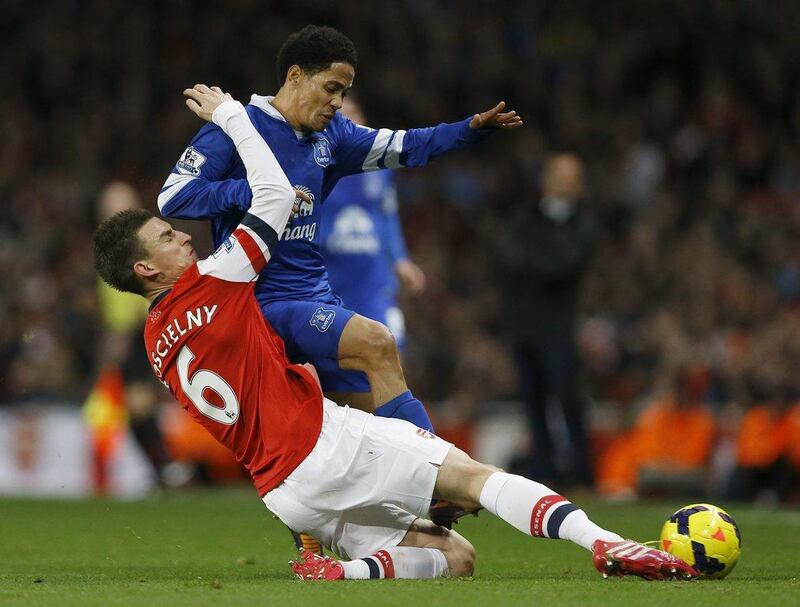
(401, 562)
(539, 511)
(579, 529)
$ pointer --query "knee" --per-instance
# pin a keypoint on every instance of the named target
(377, 343)
(460, 557)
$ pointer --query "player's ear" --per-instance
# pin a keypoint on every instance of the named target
(144, 269)
(294, 75)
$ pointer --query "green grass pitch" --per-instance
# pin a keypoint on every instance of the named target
(222, 547)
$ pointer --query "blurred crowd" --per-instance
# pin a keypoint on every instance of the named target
(685, 113)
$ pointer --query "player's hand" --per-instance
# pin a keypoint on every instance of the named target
(496, 118)
(299, 196)
(410, 275)
(203, 100)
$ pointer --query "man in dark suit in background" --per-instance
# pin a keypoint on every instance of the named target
(543, 260)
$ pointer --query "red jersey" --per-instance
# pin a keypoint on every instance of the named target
(209, 343)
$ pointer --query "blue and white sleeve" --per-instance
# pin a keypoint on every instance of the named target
(195, 189)
(359, 148)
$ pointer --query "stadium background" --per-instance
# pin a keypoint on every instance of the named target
(686, 113)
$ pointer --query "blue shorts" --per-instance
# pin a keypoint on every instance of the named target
(311, 331)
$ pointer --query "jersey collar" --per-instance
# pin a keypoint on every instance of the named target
(157, 299)
(264, 103)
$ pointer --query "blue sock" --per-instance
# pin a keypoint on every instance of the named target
(406, 407)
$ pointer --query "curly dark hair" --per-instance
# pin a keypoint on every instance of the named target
(314, 48)
(117, 247)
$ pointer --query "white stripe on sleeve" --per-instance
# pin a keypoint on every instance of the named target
(377, 150)
(174, 184)
(394, 150)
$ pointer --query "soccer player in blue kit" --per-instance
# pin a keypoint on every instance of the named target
(363, 245)
(356, 358)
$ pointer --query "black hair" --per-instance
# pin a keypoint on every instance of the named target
(117, 247)
(314, 48)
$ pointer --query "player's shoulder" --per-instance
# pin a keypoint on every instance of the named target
(341, 128)
(195, 283)
(210, 135)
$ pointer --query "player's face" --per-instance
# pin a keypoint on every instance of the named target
(170, 251)
(321, 95)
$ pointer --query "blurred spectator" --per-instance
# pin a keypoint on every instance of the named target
(669, 447)
(766, 448)
(541, 264)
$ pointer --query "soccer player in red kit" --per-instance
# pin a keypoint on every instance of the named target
(361, 484)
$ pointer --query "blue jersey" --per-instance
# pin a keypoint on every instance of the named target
(361, 239)
(209, 182)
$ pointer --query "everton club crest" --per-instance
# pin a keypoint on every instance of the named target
(322, 151)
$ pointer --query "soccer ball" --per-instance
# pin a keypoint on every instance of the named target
(704, 536)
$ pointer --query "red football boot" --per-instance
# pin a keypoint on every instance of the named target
(631, 558)
(310, 566)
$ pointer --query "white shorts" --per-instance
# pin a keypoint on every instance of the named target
(366, 480)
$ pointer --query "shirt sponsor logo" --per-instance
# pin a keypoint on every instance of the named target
(302, 208)
(322, 151)
(322, 319)
(305, 232)
(190, 162)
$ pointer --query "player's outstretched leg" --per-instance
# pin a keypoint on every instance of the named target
(427, 551)
(538, 511)
(400, 562)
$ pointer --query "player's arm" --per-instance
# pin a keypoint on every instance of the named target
(247, 251)
(195, 189)
(410, 274)
(359, 148)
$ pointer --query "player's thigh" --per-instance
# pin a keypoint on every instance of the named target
(310, 330)
(461, 479)
(389, 483)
